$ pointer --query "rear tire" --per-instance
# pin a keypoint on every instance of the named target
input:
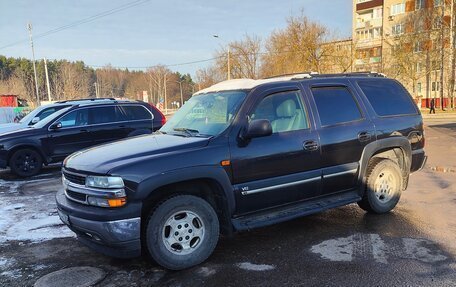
(26, 162)
(383, 186)
(182, 232)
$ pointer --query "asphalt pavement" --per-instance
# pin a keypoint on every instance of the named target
(415, 245)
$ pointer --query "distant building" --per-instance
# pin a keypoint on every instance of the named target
(403, 39)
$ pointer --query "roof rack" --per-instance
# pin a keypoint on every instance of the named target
(351, 74)
(308, 75)
(86, 99)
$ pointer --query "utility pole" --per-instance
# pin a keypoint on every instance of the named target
(166, 100)
(442, 54)
(47, 80)
(452, 54)
(182, 97)
(96, 89)
(29, 27)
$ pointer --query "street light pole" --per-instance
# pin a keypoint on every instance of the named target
(29, 27)
(228, 59)
(47, 80)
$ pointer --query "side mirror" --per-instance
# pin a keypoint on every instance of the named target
(35, 120)
(56, 126)
(258, 128)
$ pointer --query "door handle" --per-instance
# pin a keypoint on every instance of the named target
(310, 145)
(364, 136)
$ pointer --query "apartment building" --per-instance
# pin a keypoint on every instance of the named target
(403, 39)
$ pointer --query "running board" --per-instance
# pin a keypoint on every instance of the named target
(284, 213)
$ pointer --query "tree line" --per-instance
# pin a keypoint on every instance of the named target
(75, 80)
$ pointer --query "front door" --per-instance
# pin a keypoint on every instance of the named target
(74, 135)
(283, 167)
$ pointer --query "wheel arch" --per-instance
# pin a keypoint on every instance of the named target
(209, 184)
(397, 149)
(17, 147)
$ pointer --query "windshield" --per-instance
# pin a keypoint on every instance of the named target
(40, 112)
(205, 115)
(48, 119)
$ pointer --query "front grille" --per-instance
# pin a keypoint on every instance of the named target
(76, 196)
(77, 179)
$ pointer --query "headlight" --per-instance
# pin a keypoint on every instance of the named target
(104, 181)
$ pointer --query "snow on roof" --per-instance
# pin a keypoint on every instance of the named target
(247, 84)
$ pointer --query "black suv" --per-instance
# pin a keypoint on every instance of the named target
(244, 154)
(70, 126)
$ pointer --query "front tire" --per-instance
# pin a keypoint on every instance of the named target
(383, 186)
(26, 162)
(182, 232)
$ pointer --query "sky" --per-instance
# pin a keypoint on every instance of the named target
(153, 32)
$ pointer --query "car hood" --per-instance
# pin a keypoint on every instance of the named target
(101, 159)
(6, 128)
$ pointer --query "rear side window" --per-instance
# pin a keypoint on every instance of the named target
(136, 113)
(335, 105)
(103, 115)
(388, 98)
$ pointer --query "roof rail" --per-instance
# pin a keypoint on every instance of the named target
(351, 74)
(298, 75)
(86, 99)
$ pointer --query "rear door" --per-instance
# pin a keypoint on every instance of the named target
(137, 119)
(344, 129)
(72, 136)
(283, 167)
(107, 124)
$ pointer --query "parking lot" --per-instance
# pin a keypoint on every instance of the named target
(412, 246)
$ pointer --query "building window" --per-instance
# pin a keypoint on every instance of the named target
(418, 47)
(377, 13)
(398, 29)
(437, 3)
(435, 86)
(419, 4)
(397, 9)
(437, 23)
(418, 87)
(419, 67)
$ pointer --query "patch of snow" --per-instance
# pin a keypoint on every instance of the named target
(206, 271)
(27, 218)
(416, 249)
(14, 274)
(340, 249)
(379, 248)
(247, 84)
(255, 267)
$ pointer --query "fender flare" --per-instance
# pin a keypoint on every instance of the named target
(380, 145)
(218, 174)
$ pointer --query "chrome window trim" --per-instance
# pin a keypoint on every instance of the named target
(109, 123)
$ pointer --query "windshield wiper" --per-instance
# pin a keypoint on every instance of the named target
(189, 132)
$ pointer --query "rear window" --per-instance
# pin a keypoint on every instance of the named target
(136, 113)
(388, 98)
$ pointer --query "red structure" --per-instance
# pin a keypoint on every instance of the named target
(8, 101)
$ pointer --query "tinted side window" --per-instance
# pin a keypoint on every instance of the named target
(76, 118)
(335, 105)
(136, 113)
(102, 115)
(49, 111)
(387, 98)
(284, 110)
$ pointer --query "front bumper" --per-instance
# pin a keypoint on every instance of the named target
(102, 229)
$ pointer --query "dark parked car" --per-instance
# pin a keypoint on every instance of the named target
(72, 126)
(244, 154)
